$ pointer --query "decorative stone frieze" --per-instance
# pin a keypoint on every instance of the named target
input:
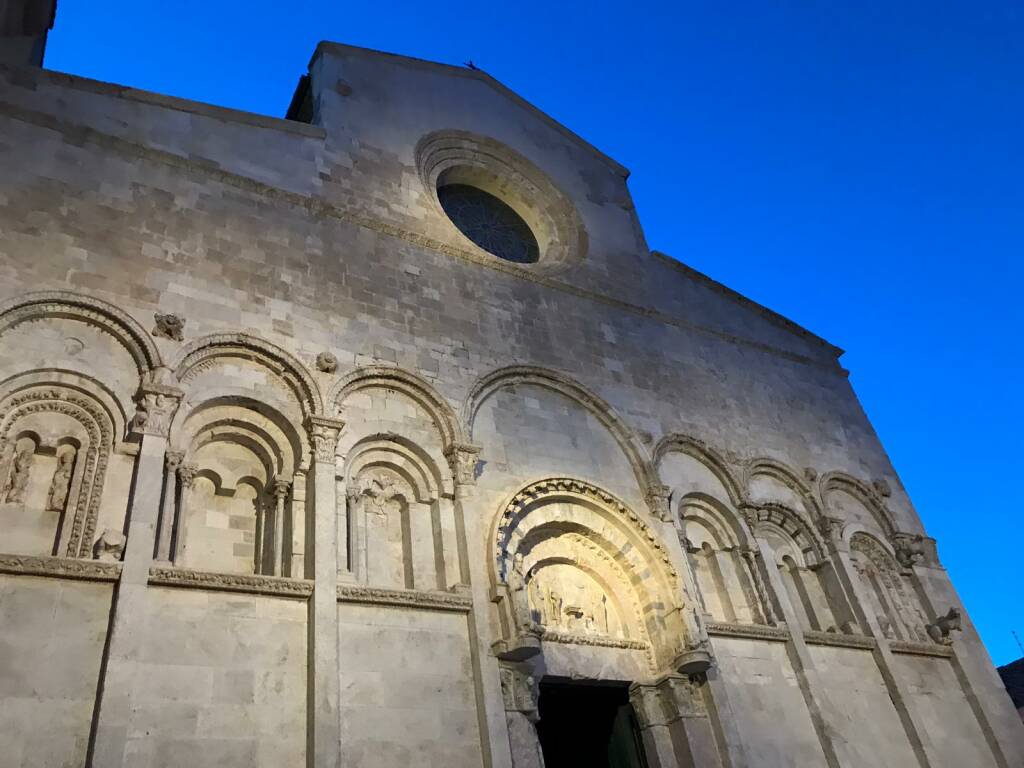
(750, 631)
(60, 567)
(230, 582)
(407, 598)
(839, 639)
(599, 641)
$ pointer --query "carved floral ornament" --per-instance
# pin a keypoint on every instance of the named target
(463, 459)
(323, 434)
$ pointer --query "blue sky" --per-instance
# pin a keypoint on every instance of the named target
(856, 166)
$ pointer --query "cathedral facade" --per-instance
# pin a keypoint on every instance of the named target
(377, 436)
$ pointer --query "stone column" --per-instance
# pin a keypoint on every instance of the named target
(186, 476)
(280, 496)
(168, 508)
(846, 573)
(155, 407)
(494, 736)
(323, 712)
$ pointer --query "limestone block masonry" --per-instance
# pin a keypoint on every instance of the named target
(339, 440)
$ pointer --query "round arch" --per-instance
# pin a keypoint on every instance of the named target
(195, 354)
(85, 309)
(410, 385)
(702, 452)
(840, 481)
(637, 456)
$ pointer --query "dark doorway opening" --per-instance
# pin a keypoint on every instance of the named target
(588, 725)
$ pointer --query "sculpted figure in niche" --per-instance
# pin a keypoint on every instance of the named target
(517, 586)
(58, 495)
(18, 481)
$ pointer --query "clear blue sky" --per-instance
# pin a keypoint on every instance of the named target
(857, 166)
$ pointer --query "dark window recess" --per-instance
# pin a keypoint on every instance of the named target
(489, 223)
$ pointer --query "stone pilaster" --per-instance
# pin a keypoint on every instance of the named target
(494, 733)
(519, 693)
(846, 572)
(323, 707)
(673, 718)
(155, 408)
(811, 687)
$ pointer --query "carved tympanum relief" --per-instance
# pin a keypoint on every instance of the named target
(890, 594)
(574, 565)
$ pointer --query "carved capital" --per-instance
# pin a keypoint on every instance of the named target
(684, 694)
(155, 405)
(647, 704)
(463, 458)
(323, 434)
(750, 514)
(881, 487)
(519, 691)
(658, 501)
(173, 459)
(280, 488)
(831, 530)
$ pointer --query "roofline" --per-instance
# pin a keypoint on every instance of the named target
(482, 76)
(769, 314)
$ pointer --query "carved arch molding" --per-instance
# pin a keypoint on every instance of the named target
(572, 563)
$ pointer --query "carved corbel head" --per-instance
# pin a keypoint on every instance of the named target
(659, 502)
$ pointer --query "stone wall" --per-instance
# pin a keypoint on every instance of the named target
(293, 472)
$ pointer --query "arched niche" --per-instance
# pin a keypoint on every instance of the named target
(806, 572)
(890, 594)
(722, 560)
(769, 481)
(396, 523)
(56, 442)
(233, 464)
(611, 579)
(532, 421)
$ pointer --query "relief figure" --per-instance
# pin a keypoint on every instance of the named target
(61, 484)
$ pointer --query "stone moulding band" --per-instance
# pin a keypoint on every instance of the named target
(407, 598)
(748, 631)
(602, 641)
(230, 582)
(839, 640)
(920, 649)
(60, 567)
